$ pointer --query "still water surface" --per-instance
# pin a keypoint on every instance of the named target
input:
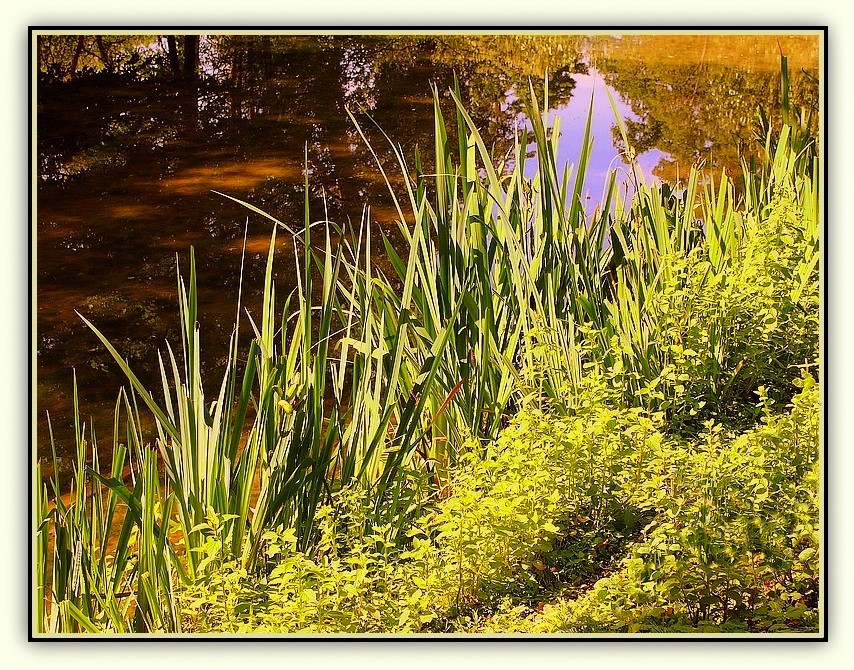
(128, 163)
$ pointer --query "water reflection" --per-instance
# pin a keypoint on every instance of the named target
(695, 97)
(591, 91)
(129, 156)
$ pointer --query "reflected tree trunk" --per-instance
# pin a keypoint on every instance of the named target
(188, 108)
(172, 52)
(190, 53)
(76, 59)
(267, 57)
(191, 56)
(105, 57)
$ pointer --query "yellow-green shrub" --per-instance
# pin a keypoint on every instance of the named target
(480, 545)
(709, 334)
(735, 543)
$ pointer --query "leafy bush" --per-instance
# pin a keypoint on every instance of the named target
(714, 327)
(735, 541)
(485, 541)
(732, 544)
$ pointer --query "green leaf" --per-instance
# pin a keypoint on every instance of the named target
(806, 555)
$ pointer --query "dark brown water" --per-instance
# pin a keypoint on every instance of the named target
(128, 161)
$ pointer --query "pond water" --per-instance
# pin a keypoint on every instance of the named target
(131, 148)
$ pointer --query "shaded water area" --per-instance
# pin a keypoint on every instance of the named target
(133, 142)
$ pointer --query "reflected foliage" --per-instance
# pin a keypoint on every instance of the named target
(495, 72)
(66, 57)
(696, 97)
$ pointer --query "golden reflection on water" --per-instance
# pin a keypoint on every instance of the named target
(231, 178)
(697, 96)
(756, 53)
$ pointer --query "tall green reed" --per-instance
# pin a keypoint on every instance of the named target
(511, 252)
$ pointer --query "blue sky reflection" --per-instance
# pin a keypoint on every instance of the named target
(605, 156)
